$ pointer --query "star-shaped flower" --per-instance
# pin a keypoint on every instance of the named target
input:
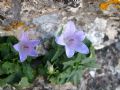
(72, 39)
(26, 47)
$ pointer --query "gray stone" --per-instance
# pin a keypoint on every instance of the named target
(118, 88)
(118, 46)
(47, 24)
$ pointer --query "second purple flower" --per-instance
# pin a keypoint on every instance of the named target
(26, 47)
(72, 39)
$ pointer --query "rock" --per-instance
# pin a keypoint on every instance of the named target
(118, 88)
(96, 37)
(102, 28)
(8, 87)
(67, 86)
(112, 11)
(96, 32)
(111, 34)
(100, 23)
(117, 68)
(92, 73)
(36, 8)
(111, 29)
(47, 24)
(1, 88)
(117, 45)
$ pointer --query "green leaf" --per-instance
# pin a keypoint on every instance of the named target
(24, 82)
(1, 70)
(8, 39)
(13, 78)
(69, 63)
(8, 67)
(92, 52)
(87, 42)
(12, 40)
(4, 50)
(71, 75)
(28, 71)
(53, 43)
(7, 52)
(59, 31)
(10, 78)
(76, 78)
(62, 78)
(80, 57)
(17, 68)
(49, 55)
(88, 60)
(3, 39)
(2, 82)
(58, 53)
(50, 68)
(90, 63)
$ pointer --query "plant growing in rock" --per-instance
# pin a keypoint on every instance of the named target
(67, 57)
(69, 62)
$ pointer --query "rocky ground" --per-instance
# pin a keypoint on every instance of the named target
(46, 16)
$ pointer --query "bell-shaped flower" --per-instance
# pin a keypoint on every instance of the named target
(72, 39)
(26, 47)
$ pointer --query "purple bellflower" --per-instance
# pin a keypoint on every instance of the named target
(26, 47)
(72, 39)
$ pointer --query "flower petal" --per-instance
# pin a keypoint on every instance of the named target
(80, 35)
(23, 56)
(24, 36)
(82, 48)
(70, 27)
(17, 47)
(59, 40)
(33, 53)
(69, 51)
(35, 42)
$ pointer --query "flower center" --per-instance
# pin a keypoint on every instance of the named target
(69, 41)
(25, 47)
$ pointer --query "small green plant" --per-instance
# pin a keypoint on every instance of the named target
(62, 69)
(59, 65)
